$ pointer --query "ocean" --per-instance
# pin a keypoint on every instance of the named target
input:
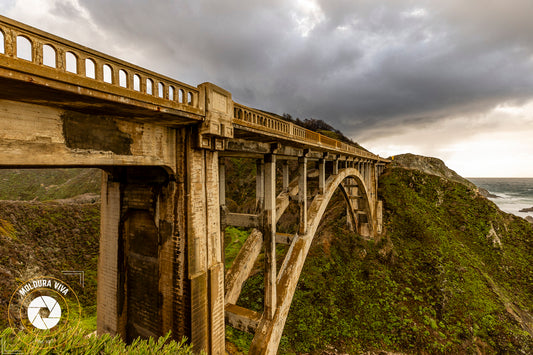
(513, 194)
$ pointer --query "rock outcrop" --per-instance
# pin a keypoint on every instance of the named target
(429, 165)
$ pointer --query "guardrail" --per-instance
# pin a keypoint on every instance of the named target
(262, 121)
(25, 43)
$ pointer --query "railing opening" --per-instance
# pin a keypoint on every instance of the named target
(90, 68)
(24, 48)
(122, 78)
(171, 93)
(71, 62)
(181, 95)
(160, 90)
(136, 82)
(2, 39)
(49, 56)
(189, 99)
(108, 74)
(149, 87)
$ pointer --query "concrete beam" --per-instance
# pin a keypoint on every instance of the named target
(284, 238)
(241, 318)
(40, 136)
(244, 220)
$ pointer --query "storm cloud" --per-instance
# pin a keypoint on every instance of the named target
(369, 68)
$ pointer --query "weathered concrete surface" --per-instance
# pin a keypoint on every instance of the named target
(242, 318)
(204, 250)
(134, 296)
(38, 135)
(107, 298)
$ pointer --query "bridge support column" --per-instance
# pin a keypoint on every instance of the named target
(335, 170)
(222, 182)
(107, 298)
(321, 175)
(302, 194)
(135, 272)
(260, 184)
(269, 234)
(206, 269)
(285, 176)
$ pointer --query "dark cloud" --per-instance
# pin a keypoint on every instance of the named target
(359, 65)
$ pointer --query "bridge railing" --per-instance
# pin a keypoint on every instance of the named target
(262, 121)
(51, 53)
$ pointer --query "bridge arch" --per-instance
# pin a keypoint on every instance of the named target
(269, 331)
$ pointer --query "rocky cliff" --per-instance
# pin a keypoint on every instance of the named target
(429, 165)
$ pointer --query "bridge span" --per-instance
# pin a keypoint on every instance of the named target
(161, 145)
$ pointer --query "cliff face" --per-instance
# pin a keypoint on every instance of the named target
(429, 165)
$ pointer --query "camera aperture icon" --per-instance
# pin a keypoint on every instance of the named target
(38, 307)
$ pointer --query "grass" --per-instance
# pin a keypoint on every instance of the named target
(81, 343)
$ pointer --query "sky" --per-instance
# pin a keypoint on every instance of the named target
(450, 79)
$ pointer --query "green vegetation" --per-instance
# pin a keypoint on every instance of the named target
(39, 239)
(82, 343)
(47, 184)
(452, 274)
(234, 239)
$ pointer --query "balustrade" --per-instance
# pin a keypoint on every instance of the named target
(23, 42)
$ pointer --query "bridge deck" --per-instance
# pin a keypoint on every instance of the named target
(40, 68)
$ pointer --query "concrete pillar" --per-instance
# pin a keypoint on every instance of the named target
(367, 175)
(269, 234)
(321, 175)
(222, 199)
(260, 184)
(302, 194)
(136, 261)
(206, 269)
(222, 182)
(106, 295)
(285, 176)
(335, 167)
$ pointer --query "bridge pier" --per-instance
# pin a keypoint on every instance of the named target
(136, 253)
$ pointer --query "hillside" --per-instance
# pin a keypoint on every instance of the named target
(48, 184)
(452, 274)
(48, 238)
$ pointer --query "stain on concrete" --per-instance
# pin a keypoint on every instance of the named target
(96, 133)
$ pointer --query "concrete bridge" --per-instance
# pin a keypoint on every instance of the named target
(161, 145)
